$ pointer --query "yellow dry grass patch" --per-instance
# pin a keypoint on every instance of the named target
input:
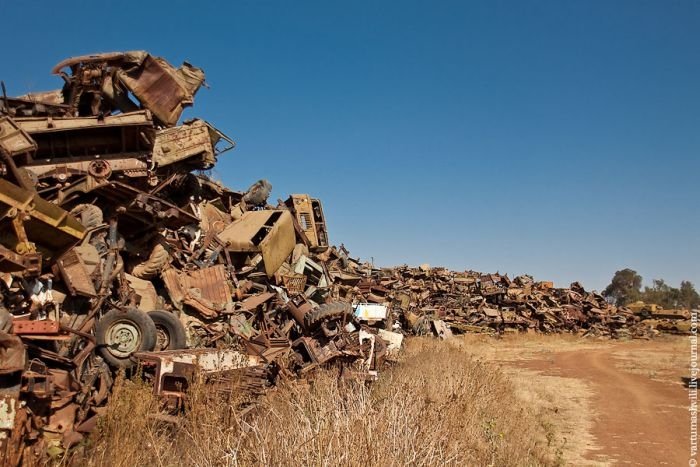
(437, 406)
(667, 360)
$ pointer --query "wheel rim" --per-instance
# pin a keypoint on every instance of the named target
(123, 338)
(162, 338)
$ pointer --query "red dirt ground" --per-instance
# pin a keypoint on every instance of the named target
(638, 420)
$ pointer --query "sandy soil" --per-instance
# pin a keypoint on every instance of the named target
(620, 403)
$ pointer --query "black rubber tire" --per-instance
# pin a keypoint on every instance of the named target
(133, 320)
(334, 310)
(169, 324)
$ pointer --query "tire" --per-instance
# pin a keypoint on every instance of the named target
(89, 215)
(335, 310)
(155, 263)
(120, 334)
(169, 331)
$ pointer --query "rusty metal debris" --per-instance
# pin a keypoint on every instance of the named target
(116, 251)
(441, 302)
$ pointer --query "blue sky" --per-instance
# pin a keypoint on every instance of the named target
(555, 138)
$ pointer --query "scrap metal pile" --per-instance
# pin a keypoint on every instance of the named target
(438, 301)
(117, 251)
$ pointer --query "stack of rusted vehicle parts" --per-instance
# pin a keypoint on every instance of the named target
(438, 301)
(116, 251)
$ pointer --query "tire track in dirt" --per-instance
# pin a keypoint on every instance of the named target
(637, 420)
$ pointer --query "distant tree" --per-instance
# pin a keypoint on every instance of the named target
(660, 293)
(689, 297)
(624, 288)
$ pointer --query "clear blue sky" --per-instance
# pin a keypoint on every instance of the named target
(557, 138)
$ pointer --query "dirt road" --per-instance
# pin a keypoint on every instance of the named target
(639, 403)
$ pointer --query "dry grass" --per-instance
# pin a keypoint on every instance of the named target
(667, 360)
(437, 406)
(526, 346)
(563, 407)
